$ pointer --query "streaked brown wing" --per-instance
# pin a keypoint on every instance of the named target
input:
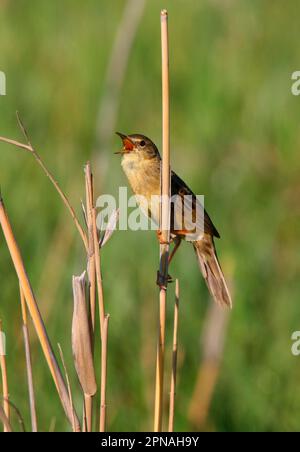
(179, 187)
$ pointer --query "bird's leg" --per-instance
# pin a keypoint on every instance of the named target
(177, 243)
(160, 239)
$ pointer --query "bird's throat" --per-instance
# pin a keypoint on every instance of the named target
(143, 174)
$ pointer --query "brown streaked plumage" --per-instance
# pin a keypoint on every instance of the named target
(141, 163)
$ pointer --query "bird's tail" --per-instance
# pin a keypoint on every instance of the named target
(211, 270)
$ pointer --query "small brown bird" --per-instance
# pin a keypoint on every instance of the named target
(141, 163)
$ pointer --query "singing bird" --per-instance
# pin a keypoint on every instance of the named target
(141, 163)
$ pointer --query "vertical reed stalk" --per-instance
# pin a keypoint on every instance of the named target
(103, 374)
(6, 406)
(174, 360)
(28, 363)
(68, 384)
(94, 242)
(164, 224)
(91, 270)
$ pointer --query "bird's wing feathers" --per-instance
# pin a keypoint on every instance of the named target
(179, 187)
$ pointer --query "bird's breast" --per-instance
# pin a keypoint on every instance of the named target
(144, 178)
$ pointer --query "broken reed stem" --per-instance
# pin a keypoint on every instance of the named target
(35, 314)
(164, 224)
(28, 363)
(6, 406)
(68, 384)
(174, 360)
(103, 374)
(28, 147)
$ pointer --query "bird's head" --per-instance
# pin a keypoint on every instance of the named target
(138, 144)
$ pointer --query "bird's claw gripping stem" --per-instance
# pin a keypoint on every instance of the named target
(161, 240)
(161, 281)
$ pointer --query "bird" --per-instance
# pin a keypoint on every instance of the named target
(141, 163)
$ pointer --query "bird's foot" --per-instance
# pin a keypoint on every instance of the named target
(160, 238)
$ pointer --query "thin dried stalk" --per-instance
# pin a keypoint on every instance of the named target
(68, 383)
(28, 147)
(165, 225)
(6, 406)
(174, 360)
(35, 314)
(28, 363)
(103, 405)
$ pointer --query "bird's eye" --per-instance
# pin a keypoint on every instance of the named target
(142, 143)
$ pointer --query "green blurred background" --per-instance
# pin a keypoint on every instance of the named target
(235, 138)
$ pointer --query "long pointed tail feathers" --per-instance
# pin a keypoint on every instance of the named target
(211, 270)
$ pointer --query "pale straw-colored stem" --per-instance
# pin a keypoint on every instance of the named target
(91, 253)
(164, 225)
(103, 404)
(28, 363)
(174, 360)
(6, 406)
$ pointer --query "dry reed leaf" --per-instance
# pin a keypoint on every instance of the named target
(81, 338)
(111, 227)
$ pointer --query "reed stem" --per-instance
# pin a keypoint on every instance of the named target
(6, 406)
(164, 225)
(174, 360)
(33, 415)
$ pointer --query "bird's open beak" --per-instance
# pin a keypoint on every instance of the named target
(127, 144)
